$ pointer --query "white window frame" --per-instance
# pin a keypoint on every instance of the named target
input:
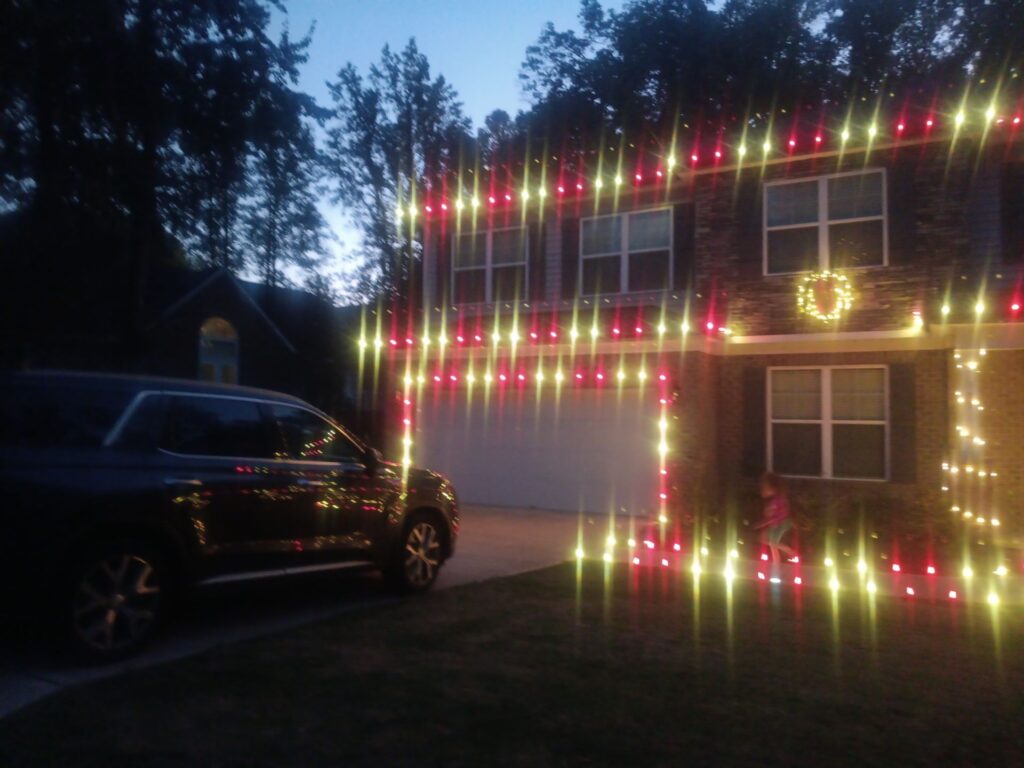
(826, 422)
(624, 253)
(823, 219)
(488, 266)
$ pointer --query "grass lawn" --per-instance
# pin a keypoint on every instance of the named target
(561, 667)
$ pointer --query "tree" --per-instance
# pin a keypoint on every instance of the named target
(282, 222)
(391, 132)
(134, 130)
(656, 64)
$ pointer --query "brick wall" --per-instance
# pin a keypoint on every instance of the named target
(929, 444)
(943, 226)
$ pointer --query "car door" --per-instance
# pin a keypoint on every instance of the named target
(222, 472)
(341, 493)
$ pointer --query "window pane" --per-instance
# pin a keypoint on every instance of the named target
(508, 283)
(792, 203)
(796, 449)
(471, 250)
(858, 394)
(508, 247)
(851, 197)
(602, 235)
(793, 250)
(857, 244)
(648, 271)
(470, 286)
(858, 450)
(216, 426)
(601, 275)
(796, 394)
(48, 415)
(650, 230)
(311, 438)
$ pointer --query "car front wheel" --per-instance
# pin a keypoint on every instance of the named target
(418, 560)
(115, 601)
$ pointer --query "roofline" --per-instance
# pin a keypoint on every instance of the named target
(217, 274)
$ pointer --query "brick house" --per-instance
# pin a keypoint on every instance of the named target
(630, 340)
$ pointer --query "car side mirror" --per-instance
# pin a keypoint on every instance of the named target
(374, 458)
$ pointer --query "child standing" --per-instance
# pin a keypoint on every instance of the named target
(776, 522)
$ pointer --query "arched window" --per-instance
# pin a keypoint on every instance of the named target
(218, 351)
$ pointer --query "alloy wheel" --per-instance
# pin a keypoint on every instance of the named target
(116, 603)
(422, 554)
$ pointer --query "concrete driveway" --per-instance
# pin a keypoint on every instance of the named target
(493, 542)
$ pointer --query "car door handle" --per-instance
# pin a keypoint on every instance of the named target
(180, 481)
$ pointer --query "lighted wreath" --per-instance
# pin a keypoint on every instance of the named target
(825, 296)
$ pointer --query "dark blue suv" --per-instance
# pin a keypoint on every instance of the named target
(117, 492)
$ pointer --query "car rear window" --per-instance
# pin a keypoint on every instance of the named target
(58, 415)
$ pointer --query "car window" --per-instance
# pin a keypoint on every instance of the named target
(216, 426)
(310, 437)
(58, 415)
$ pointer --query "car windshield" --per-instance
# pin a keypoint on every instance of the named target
(52, 415)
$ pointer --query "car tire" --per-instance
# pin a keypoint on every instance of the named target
(418, 557)
(113, 600)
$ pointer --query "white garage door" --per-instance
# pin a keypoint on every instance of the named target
(589, 449)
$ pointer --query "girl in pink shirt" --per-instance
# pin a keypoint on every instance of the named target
(776, 522)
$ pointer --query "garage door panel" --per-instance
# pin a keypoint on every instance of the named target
(592, 450)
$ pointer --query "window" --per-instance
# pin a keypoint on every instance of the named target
(216, 426)
(218, 351)
(311, 438)
(489, 266)
(829, 422)
(829, 222)
(626, 253)
(43, 414)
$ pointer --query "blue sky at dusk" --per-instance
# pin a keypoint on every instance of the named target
(478, 47)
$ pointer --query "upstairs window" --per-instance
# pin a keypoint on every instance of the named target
(489, 266)
(626, 253)
(829, 222)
